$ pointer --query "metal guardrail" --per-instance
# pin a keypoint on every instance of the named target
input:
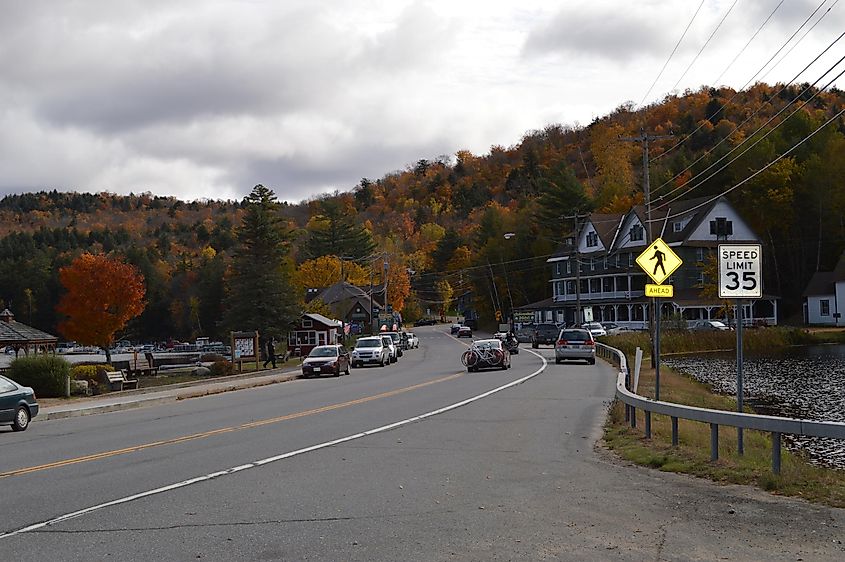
(772, 424)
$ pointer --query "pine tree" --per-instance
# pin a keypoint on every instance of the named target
(260, 295)
(334, 232)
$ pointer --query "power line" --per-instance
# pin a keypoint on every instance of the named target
(760, 139)
(752, 176)
(746, 120)
(759, 29)
(733, 97)
(659, 74)
(705, 44)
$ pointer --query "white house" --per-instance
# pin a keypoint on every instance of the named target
(825, 294)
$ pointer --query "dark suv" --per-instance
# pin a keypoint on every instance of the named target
(545, 334)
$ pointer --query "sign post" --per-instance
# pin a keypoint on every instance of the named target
(740, 277)
(665, 262)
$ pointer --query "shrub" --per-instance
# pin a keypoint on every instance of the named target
(211, 358)
(46, 374)
(221, 368)
(93, 373)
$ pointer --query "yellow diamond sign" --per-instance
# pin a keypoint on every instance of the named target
(659, 261)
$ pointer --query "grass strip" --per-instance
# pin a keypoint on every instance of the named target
(798, 477)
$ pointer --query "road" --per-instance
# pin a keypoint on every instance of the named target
(285, 472)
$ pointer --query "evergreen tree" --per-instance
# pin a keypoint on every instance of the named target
(260, 295)
(560, 194)
(334, 232)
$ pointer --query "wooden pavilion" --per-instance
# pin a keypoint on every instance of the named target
(22, 337)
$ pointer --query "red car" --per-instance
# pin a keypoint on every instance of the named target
(331, 359)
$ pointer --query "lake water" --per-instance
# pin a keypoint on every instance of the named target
(803, 382)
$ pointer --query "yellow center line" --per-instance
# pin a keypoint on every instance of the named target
(213, 432)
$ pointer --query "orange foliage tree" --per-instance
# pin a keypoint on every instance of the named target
(103, 294)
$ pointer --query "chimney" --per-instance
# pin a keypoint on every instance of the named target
(7, 316)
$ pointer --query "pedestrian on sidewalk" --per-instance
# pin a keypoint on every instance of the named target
(271, 352)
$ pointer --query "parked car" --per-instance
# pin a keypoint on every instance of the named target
(392, 350)
(464, 332)
(413, 340)
(425, 322)
(370, 351)
(397, 342)
(454, 329)
(487, 354)
(525, 335)
(595, 328)
(710, 326)
(544, 334)
(17, 404)
(575, 343)
(332, 359)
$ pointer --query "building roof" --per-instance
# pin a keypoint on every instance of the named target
(824, 282)
(321, 319)
(15, 333)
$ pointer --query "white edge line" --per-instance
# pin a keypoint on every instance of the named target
(268, 460)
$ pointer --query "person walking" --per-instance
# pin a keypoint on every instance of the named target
(271, 352)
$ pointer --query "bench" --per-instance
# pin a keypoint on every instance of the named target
(142, 365)
(117, 380)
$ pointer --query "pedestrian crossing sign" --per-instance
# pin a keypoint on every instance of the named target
(659, 261)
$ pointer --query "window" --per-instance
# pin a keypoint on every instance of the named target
(617, 260)
(557, 268)
(6, 386)
(824, 307)
(307, 323)
(636, 232)
(677, 226)
(569, 266)
(592, 264)
(605, 262)
(592, 239)
(699, 254)
(721, 227)
(631, 259)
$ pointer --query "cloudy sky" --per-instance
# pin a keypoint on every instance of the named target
(206, 98)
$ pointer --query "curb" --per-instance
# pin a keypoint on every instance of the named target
(153, 401)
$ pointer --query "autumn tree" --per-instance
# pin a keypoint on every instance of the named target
(260, 293)
(328, 270)
(102, 295)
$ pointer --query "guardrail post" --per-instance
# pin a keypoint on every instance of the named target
(776, 452)
(648, 424)
(627, 412)
(633, 417)
(674, 431)
(714, 442)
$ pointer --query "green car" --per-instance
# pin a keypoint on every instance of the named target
(17, 404)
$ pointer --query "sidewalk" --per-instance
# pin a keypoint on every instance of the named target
(127, 399)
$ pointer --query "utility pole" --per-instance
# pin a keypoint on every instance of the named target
(654, 308)
(578, 315)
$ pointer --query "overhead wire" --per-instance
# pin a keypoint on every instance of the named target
(705, 44)
(758, 139)
(659, 74)
(755, 174)
(682, 140)
(759, 29)
(746, 120)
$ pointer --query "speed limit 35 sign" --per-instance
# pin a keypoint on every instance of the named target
(740, 271)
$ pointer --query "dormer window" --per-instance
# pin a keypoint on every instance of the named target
(721, 227)
(636, 233)
(677, 226)
(592, 239)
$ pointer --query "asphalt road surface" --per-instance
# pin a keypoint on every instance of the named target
(368, 467)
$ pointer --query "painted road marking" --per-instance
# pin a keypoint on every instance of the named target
(213, 432)
(268, 460)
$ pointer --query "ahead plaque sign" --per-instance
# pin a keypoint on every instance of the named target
(740, 271)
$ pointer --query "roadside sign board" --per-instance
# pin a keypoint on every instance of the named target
(659, 291)
(740, 271)
(659, 261)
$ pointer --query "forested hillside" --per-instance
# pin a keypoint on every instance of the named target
(440, 224)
